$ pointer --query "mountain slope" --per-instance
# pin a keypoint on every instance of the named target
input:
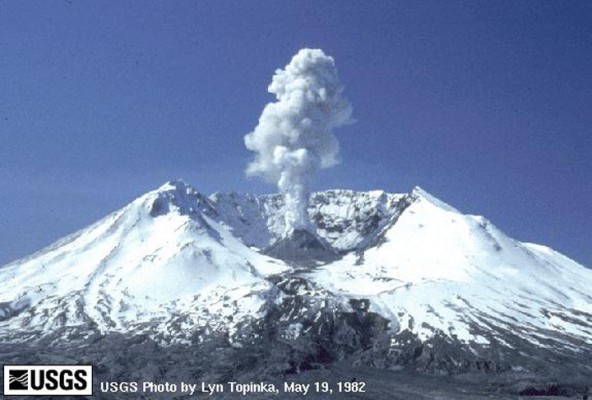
(159, 256)
(434, 254)
(437, 272)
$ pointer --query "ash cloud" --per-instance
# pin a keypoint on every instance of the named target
(294, 138)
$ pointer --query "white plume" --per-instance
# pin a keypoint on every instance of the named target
(294, 137)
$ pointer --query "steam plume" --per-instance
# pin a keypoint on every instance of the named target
(294, 137)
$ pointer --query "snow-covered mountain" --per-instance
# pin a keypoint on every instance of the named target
(410, 280)
(160, 260)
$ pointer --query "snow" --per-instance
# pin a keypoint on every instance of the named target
(346, 219)
(132, 265)
(433, 256)
(179, 260)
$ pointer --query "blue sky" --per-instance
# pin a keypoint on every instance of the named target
(486, 105)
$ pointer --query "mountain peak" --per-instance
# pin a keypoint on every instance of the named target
(419, 193)
(175, 185)
(176, 195)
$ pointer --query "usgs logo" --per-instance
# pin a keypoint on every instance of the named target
(43, 380)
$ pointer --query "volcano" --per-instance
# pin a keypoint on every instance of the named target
(389, 282)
